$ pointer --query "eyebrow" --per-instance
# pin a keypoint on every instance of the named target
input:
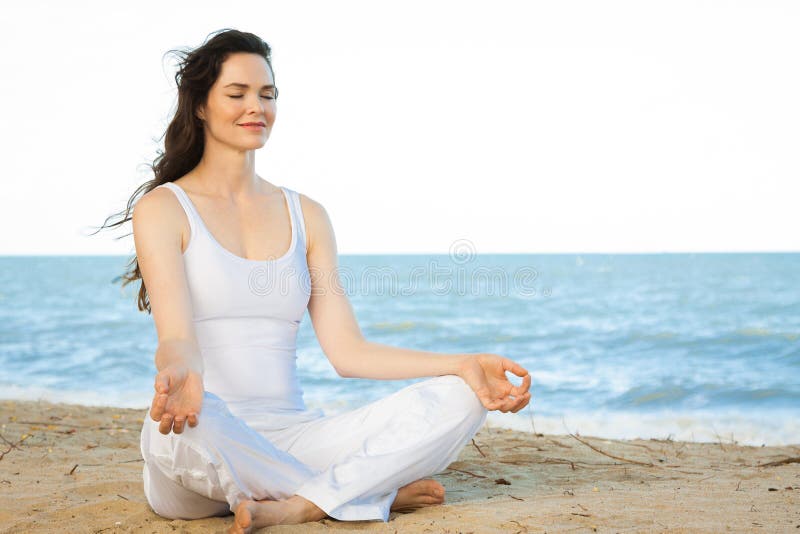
(245, 86)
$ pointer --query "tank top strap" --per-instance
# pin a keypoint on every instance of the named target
(186, 204)
(297, 216)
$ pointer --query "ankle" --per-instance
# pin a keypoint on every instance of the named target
(304, 510)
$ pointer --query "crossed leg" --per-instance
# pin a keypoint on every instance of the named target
(353, 466)
(364, 454)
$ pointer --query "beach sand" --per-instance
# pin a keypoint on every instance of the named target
(72, 468)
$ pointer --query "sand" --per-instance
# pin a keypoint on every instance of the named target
(73, 468)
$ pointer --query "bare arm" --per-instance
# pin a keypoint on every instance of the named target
(354, 357)
(385, 362)
(335, 323)
(157, 222)
(178, 352)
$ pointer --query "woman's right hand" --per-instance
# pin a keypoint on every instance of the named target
(178, 398)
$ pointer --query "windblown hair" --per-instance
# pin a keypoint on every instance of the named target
(184, 139)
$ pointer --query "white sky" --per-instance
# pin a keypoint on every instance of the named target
(519, 126)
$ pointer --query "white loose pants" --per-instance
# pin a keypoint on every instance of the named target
(350, 465)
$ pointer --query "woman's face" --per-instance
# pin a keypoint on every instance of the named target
(243, 94)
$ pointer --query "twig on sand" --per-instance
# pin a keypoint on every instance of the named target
(719, 439)
(620, 458)
(558, 443)
(479, 449)
(533, 427)
(51, 423)
(792, 460)
(92, 427)
(668, 439)
(644, 447)
(558, 461)
(467, 472)
(683, 471)
(11, 445)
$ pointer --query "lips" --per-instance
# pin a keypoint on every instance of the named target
(253, 124)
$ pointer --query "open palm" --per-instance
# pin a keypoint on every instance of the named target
(178, 398)
(486, 375)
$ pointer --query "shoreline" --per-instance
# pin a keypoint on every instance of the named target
(776, 427)
(70, 467)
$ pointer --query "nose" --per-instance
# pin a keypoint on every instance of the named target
(256, 104)
(260, 106)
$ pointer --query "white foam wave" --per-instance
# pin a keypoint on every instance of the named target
(775, 428)
(138, 399)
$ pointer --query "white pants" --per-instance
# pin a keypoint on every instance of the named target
(350, 465)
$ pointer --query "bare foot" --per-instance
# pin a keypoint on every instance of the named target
(257, 514)
(419, 493)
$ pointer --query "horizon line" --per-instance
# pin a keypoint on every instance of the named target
(550, 253)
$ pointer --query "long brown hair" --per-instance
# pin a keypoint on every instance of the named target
(184, 138)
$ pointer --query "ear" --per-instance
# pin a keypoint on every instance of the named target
(200, 113)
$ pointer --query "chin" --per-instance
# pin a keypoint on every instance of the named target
(252, 145)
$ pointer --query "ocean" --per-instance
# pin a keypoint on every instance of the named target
(694, 346)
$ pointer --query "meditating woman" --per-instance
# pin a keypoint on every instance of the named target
(229, 263)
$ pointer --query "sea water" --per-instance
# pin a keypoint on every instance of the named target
(701, 347)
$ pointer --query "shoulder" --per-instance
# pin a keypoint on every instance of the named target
(155, 205)
(311, 207)
(318, 222)
(157, 210)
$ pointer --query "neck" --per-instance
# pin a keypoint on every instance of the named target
(227, 172)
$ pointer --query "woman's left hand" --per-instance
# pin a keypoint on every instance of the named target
(486, 375)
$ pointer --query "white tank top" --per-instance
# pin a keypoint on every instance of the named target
(246, 315)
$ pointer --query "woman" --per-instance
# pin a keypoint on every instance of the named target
(225, 259)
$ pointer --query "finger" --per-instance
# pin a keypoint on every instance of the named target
(523, 387)
(166, 424)
(497, 405)
(523, 401)
(192, 420)
(514, 367)
(510, 403)
(489, 403)
(157, 408)
(505, 404)
(482, 392)
(177, 425)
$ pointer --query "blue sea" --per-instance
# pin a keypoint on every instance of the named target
(699, 347)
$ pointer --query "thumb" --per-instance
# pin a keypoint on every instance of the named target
(162, 382)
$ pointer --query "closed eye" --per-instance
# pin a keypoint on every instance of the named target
(268, 97)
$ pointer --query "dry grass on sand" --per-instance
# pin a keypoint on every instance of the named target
(72, 468)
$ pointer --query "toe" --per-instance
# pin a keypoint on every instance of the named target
(242, 518)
